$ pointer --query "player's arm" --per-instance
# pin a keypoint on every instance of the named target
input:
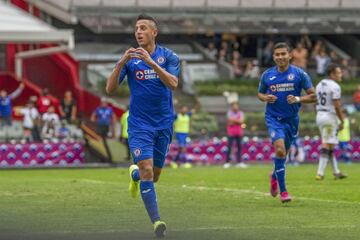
(18, 91)
(93, 117)
(310, 97)
(338, 110)
(166, 77)
(112, 81)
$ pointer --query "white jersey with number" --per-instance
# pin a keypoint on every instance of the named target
(326, 92)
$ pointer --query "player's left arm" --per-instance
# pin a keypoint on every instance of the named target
(169, 76)
(310, 96)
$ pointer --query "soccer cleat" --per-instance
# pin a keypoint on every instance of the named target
(159, 229)
(241, 165)
(285, 197)
(134, 186)
(319, 177)
(273, 186)
(227, 165)
(339, 176)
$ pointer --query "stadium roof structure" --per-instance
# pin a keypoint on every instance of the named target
(17, 26)
(202, 16)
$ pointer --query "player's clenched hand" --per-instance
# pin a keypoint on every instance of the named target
(142, 54)
(128, 53)
(292, 99)
(270, 98)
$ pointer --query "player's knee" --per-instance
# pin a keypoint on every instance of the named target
(280, 152)
(146, 172)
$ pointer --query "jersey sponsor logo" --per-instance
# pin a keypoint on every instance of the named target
(146, 74)
(282, 87)
(291, 77)
(161, 60)
(137, 152)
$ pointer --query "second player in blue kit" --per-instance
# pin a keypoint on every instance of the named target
(280, 87)
(152, 73)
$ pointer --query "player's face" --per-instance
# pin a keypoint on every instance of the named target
(3, 93)
(337, 75)
(184, 110)
(145, 32)
(281, 57)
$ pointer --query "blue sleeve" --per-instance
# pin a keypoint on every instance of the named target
(189, 114)
(123, 73)
(306, 82)
(173, 65)
(262, 86)
(175, 116)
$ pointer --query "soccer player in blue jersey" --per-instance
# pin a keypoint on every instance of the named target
(152, 72)
(280, 87)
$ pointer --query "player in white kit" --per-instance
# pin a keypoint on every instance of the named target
(329, 119)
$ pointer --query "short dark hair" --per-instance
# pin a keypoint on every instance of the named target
(147, 17)
(332, 68)
(282, 45)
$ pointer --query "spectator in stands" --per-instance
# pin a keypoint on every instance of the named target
(346, 69)
(124, 132)
(44, 101)
(319, 45)
(252, 70)
(105, 119)
(51, 122)
(237, 68)
(64, 131)
(267, 54)
(334, 58)
(306, 42)
(235, 119)
(299, 56)
(68, 109)
(5, 105)
(223, 55)
(322, 61)
(236, 55)
(30, 119)
(356, 98)
(212, 50)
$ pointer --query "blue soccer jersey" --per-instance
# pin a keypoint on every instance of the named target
(281, 85)
(104, 115)
(151, 105)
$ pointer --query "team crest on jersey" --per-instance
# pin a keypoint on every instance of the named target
(291, 77)
(137, 152)
(140, 75)
(273, 88)
(161, 60)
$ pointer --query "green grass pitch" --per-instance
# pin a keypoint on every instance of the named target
(197, 203)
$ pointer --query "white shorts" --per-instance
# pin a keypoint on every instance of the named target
(328, 126)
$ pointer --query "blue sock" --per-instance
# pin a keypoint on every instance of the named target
(148, 195)
(280, 172)
(135, 175)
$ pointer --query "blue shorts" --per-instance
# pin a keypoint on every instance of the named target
(283, 128)
(150, 144)
(344, 145)
(181, 138)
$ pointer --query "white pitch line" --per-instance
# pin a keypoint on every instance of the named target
(251, 191)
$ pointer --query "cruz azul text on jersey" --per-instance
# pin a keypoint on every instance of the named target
(146, 74)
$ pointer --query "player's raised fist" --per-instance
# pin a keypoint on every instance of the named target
(128, 53)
